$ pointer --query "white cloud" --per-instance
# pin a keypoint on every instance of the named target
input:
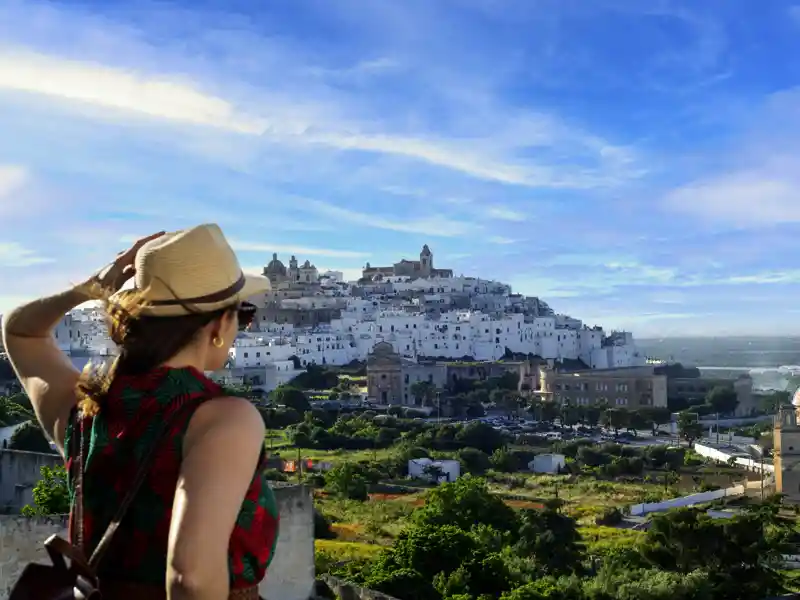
(503, 213)
(326, 117)
(437, 225)
(746, 198)
(12, 178)
(499, 239)
(157, 97)
(13, 254)
(268, 249)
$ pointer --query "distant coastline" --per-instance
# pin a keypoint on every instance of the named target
(767, 359)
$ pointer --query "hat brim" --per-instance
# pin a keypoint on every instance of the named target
(253, 285)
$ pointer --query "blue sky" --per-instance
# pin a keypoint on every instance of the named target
(633, 163)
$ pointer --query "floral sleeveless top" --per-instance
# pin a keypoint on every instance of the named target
(117, 438)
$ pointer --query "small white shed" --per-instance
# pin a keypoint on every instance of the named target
(422, 468)
(547, 463)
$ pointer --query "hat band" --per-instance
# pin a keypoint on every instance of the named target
(220, 296)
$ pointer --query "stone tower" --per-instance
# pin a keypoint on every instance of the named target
(425, 261)
(787, 451)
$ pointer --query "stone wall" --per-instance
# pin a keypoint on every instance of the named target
(290, 576)
(339, 588)
(21, 542)
(19, 472)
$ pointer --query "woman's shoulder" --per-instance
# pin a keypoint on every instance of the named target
(230, 412)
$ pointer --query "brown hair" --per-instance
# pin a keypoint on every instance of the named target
(144, 342)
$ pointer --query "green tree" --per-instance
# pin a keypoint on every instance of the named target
(464, 503)
(551, 539)
(656, 416)
(481, 436)
(689, 428)
(50, 496)
(30, 437)
(723, 399)
(615, 418)
(291, 397)
(474, 461)
(502, 460)
(346, 481)
(424, 392)
(549, 411)
(637, 421)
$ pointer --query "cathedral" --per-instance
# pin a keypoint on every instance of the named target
(279, 276)
(415, 269)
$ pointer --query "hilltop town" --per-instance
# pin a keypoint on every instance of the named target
(426, 314)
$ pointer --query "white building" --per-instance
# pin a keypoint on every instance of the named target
(425, 468)
(548, 463)
(439, 317)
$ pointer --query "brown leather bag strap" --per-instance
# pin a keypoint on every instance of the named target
(77, 443)
(138, 480)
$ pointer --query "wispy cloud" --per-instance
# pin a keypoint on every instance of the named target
(15, 255)
(499, 239)
(114, 89)
(504, 213)
(435, 225)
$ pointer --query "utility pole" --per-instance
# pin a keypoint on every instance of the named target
(558, 502)
(717, 426)
(299, 467)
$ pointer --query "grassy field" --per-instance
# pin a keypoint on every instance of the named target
(364, 528)
(378, 520)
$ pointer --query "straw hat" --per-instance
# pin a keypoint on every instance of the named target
(192, 270)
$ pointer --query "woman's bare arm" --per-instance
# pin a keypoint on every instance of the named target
(221, 451)
(43, 370)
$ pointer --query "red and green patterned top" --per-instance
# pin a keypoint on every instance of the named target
(132, 416)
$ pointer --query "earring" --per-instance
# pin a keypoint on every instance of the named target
(217, 341)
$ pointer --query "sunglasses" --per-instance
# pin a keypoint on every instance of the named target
(245, 313)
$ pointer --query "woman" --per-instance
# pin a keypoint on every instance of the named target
(204, 523)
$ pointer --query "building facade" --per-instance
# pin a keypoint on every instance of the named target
(391, 377)
(786, 452)
(629, 388)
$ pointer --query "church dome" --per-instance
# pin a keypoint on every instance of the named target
(796, 398)
(275, 267)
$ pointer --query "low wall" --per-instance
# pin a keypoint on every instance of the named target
(348, 591)
(19, 472)
(290, 576)
(722, 456)
(690, 500)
